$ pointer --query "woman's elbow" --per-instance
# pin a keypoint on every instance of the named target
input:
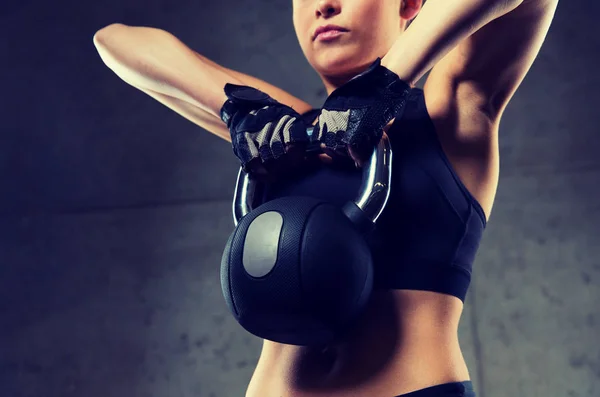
(100, 34)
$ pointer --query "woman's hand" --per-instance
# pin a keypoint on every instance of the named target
(331, 158)
(267, 136)
(354, 116)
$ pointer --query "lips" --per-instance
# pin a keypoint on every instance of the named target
(328, 28)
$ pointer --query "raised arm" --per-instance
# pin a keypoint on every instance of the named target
(488, 45)
(159, 64)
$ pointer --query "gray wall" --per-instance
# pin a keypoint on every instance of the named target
(114, 212)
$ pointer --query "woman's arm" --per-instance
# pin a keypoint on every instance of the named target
(159, 64)
(487, 44)
(439, 27)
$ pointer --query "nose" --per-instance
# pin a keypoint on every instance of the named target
(328, 8)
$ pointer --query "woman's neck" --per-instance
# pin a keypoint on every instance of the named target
(333, 82)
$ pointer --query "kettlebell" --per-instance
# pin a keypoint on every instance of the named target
(298, 270)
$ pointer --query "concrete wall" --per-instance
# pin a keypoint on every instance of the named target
(114, 212)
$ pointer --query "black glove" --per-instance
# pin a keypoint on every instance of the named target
(354, 115)
(262, 129)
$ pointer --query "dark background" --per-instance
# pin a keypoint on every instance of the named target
(114, 211)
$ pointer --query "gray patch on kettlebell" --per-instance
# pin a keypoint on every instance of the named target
(262, 244)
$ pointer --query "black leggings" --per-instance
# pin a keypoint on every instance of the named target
(456, 389)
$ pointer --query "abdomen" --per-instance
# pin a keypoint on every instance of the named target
(406, 341)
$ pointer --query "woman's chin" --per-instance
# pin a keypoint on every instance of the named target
(334, 65)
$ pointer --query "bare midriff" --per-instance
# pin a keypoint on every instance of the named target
(406, 341)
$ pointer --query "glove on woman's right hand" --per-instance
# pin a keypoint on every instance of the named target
(262, 129)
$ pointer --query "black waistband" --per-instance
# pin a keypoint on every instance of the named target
(455, 389)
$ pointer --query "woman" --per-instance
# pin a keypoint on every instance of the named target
(445, 140)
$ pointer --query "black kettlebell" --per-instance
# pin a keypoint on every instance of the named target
(298, 270)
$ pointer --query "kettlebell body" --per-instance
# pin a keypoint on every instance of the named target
(298, 270)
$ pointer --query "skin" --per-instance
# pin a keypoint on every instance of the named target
(368, 38)
(409, 339)
(365, 40)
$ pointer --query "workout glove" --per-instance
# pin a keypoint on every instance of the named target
(354, 115)
(262, 129)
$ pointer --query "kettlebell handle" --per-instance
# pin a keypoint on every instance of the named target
(371, 199)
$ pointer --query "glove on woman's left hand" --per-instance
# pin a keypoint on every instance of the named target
(353, 117)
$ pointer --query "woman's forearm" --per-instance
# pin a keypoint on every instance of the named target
(155, 60)
(438, 28)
